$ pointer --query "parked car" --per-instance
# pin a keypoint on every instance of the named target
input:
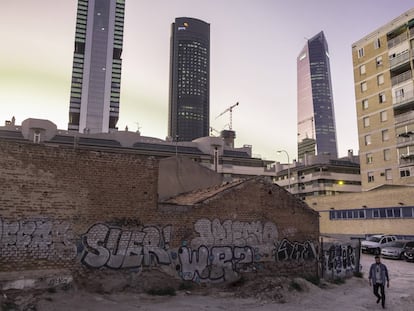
(409, 254)
(374, 243)
(396, 249)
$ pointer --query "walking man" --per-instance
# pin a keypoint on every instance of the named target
(378, 274)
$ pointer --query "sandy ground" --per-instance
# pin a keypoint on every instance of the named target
(355, 294)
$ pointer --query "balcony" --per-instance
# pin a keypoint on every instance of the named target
(407, 159)
(403, 99)
(401, 77)
(404, 117)
(397, 40)
(405, 139)
(399, 60)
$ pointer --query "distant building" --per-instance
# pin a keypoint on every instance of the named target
(211, 152)
(321, 175)
(189, 94)
(384, 89)
(316, 118)
(96, 73)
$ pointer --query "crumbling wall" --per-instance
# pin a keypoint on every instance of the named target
(77, 210)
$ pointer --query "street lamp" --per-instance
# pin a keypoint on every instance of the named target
(287, 154)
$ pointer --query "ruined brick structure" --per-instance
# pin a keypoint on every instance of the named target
(84, 209)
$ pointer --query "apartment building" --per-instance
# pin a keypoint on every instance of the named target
(384, 90)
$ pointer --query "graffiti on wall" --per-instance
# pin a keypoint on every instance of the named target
(223, 249)
(233, 233)
(287, 250)
(118, 248)
(339, 261)
(217, 263)
(218, 252)
(40, 239)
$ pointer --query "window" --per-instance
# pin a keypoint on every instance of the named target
(378, 60)
(377, 43)
(370, 176)
(383, 116)
(405, 173)
(381, 98)
(366, 121)
(362, 70)
(369, 158)
(367, 140)
(380, 79)
(399, 94)
(407, 212)
(385, 135)
(360, 52)
(388, 174)
(387, 154)
(364, 86)
(365, 104)
(36, 137)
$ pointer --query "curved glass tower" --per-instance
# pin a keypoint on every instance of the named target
(189, 94)
(316, 118)
(96, 73)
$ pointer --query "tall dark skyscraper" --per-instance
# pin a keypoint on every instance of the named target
(316, 117)
(189, 97)
(96, 73)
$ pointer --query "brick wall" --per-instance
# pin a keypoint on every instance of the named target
(83, 209)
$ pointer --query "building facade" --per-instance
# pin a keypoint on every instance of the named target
(384, 210)
(384, 90)
(96, 73)
(189, 94)
(320, 175)
(316, 118)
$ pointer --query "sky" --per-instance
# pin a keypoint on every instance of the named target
(254, 46)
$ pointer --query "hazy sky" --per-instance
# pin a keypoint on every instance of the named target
(254, 45)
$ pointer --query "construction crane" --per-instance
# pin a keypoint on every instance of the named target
(212, 129)
(230, 109)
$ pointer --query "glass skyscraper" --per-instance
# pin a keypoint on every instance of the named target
(316, 118)
(189, 94)
(96, 73)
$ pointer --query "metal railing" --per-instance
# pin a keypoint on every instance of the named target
(406, 97)
(401, 77)
(397, 40)
(401, 118)
(400, 59)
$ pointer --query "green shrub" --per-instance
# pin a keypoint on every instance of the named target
(9, 306)
(186, 286)
(358, 274)
(315, 280)
(338, 281)
(296, 286)
(165, 291)
(239, 282)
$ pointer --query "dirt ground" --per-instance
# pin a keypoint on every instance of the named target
(264, 294)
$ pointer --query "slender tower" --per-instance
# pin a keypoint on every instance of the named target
(189, 96)
(316, 117)
(96, 73)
